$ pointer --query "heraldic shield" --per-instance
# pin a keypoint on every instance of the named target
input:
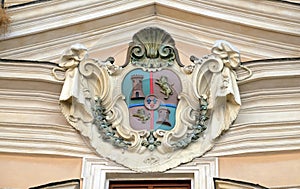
(152, 99)
(153, 112)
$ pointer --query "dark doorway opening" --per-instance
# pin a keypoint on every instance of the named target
(151, 184)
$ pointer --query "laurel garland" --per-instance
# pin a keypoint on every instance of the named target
(198, 128)
(151, 143)
(108, 133)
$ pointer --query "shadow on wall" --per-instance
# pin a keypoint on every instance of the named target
(67, 184)
(220, 183)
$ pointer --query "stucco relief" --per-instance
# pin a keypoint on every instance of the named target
(153, 112)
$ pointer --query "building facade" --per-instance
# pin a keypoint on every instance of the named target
(39, 146)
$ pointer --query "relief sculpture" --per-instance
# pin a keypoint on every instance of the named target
(166, 88)
(151, 113)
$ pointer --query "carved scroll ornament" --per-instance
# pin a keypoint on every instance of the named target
(153, 113)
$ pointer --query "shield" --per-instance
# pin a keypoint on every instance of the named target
(152, 99)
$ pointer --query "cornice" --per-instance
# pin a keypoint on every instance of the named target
(258, 14)
(228, 183)
(247, 140)
(252, 47)
(100, 38)
(42, 31)
(58, 14)
(269, 116)
(55, 14)
(268, 119)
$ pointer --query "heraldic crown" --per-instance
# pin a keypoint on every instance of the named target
(153, 112)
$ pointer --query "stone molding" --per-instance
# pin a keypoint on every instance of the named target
(240, 11)
(97, 172)
(228, 184)
(98, 39)
(66, 184)
(268, 120)
(209, 21)
(31, 121)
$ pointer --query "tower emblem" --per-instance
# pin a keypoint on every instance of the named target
(152, 113)
(137, 87)
(151, 99)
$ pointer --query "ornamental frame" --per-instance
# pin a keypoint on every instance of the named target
(201, 99)
(98, 172)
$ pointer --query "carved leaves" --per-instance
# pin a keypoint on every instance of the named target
(206, 104)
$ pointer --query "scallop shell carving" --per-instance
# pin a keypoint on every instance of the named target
(152, 49)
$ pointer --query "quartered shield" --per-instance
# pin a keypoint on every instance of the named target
(152, 99)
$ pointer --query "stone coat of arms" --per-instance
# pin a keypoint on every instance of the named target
(153, 112)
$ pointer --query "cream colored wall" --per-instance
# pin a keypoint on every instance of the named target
(267, 122)
(29, 91)
(23, 171)
(267, 169)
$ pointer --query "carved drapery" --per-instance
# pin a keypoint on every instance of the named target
(171, 114)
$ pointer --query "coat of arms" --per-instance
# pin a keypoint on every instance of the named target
(152, 98)
(152, 112)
